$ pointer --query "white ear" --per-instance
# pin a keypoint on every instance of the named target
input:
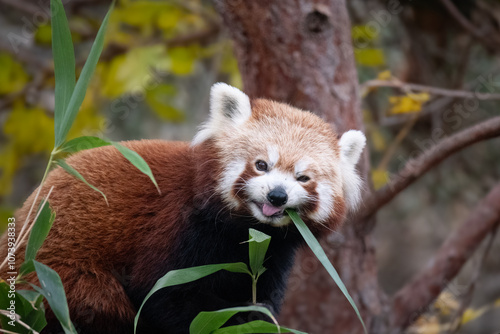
(351, 145)
(229, 106)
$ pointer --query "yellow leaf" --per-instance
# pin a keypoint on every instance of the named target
(446, 303)
(160, 100)
(88, 122)
(472, 314)
(380, 178)
(426, 325)
(114, 33)
(421, 97)
(13, 78)
(408, 103)
(5, 214)
(132, 17)
(183, 58)
(378, 140)
(30, 130)
(384, 75)
(229, 66)
(43, 34)
(9, 162)
(131, 72)
(168, 21)
(141, 14)
(369, 57)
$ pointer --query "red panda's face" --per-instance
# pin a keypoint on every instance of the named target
(275, 157)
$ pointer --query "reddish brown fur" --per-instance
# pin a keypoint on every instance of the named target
(94, 246)
(108, 237)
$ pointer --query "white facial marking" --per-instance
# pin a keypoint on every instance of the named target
(273, 154)
(258, 188)
(301, 166)
(231, 173)
(325, 202)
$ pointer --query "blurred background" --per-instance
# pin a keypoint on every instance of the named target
(161, 57)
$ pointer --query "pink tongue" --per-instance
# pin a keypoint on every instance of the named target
(269, 210)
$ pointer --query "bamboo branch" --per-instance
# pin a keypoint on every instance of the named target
(417, 167)
(411, 300)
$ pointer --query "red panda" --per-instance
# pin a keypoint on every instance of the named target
(250, 161)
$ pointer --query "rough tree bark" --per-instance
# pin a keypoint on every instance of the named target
(300, 52)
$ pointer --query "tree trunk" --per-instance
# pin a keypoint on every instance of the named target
(300, 52)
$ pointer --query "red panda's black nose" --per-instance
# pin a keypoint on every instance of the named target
(277, 196)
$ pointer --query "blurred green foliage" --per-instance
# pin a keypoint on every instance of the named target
(148, 49)
(12, 76)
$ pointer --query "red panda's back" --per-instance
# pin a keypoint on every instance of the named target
(87, 229)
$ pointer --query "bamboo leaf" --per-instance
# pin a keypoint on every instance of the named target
(83, 81)
(209, 322)
(257, 248)
(64, 65)
(137, 161)
(83, 143)
(53, 290)
(320, 254)
(257, 326)
(29, 310)
(182, 276)
(39, 231)
(79, 176)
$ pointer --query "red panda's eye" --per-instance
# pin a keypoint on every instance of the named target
(303, 178)
(261, 165)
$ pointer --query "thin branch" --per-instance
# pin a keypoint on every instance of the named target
(389, 153)
(25, 6)
(199, 10)
(199, 36)
(411, 300)
(22, 237)
(417, 167)
(405, 86)
(462, 20)
(488, 40)
(456, 322)
(28, 225)
(6, 313)
(440, 103)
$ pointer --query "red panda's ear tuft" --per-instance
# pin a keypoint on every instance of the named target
(230, 103)
(351, 145)
(229, 107)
